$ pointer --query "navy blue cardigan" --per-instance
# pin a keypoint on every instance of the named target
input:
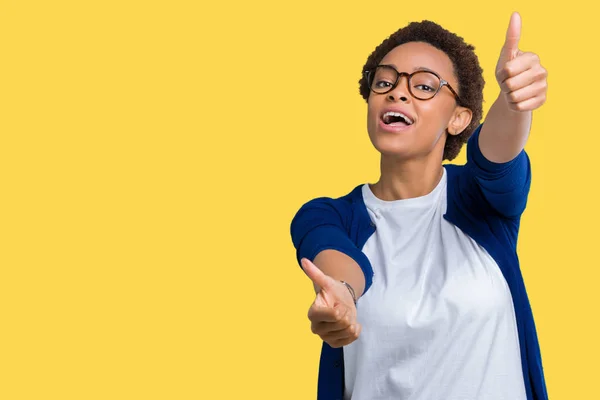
(485, 200)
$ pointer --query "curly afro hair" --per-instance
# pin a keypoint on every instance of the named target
(466, 68)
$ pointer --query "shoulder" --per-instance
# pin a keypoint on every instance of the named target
(453, 170)
(469, 208)
(341, 203)
(331, 208)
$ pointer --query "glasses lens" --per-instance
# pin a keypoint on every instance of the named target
(424, 85)
(382, 79)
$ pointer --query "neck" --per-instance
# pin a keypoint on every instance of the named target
(405, 179)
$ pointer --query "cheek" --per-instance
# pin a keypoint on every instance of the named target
(372, 118)
(434, 116)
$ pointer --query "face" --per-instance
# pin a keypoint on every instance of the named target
(426, 135)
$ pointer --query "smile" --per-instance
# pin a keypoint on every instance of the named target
(394, 117)
(394, 127)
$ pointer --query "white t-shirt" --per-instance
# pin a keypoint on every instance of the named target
(438, 321)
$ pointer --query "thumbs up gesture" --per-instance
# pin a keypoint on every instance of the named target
(333, 313)
(521, 77)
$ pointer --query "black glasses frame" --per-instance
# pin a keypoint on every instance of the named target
(370, 73)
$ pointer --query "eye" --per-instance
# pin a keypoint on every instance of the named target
(425, 88)
(382, 84)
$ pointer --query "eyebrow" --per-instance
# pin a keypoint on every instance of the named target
(423, 69)
(417, 68)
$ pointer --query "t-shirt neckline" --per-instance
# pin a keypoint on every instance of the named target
(374, 201)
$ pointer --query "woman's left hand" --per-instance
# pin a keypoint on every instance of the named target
(521, 77)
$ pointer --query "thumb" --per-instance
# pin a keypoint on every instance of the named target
(513, 35)
(315, 274)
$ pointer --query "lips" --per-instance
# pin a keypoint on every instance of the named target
(396, 114)
(394, 127)
(395, 119)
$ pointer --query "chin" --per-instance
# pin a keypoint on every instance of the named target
(393, 146)
(404, 145)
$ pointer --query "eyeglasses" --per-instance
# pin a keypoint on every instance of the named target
(422, 85)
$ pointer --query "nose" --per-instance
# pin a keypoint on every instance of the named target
(400, 92)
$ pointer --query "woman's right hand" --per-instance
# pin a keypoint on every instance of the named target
(333, 313)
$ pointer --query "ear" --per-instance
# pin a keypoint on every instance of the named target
(461, 118)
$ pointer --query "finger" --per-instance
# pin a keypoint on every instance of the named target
(524, 79)
(324, 314)
(535, 89)
(315, 274)
(325, 328)
(321, 301)
(336, 343)
(529, 104)
(513, 35)
(517, 66)
(346, 333)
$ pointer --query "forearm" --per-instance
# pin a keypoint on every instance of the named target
(341, 267)
(504, 132)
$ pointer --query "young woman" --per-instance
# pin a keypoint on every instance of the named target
(419, 289)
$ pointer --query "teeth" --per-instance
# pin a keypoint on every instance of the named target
(396, 114)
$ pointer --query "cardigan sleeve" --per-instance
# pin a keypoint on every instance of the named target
(321, 224)
(503, 186)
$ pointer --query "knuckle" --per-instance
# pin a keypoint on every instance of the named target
(510, 85)
(508, 70)
(335, 315)
(541, 73)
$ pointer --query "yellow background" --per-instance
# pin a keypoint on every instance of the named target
(152, 155)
